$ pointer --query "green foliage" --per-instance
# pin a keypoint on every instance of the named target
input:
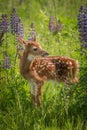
(63, 108)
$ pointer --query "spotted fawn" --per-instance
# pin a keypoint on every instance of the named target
(37, 67)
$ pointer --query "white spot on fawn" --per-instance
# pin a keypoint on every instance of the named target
(70, 63)
(67, 63)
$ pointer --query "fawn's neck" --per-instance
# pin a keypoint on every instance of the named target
(24, 65)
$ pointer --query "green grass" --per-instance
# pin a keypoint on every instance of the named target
(63, 108)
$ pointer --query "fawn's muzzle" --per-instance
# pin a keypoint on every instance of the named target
(45, 54)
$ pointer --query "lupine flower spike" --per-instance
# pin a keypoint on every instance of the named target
(5, 23)
(20, 28)
(14, 22)
(4, 26)
(19, 47)
(52, 26)
(1, 32)
(32, 33)
(82, 25)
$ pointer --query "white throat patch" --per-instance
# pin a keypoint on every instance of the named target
(30, 57)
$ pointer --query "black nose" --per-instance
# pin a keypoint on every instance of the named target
(45, 54)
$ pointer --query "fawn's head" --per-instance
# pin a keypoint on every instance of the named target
(33, 49)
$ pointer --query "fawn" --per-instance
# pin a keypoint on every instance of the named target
(37, 67)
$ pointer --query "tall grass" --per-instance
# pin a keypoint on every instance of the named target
(63, 108)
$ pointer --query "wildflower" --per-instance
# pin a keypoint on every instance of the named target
(32, 33)
(1, 34)
(20, 28)
(4, 26)
(6, 61)
(14, 22)
(0, 25)
(52, 26)
(19, 47)
(82, 25)
(5, 23)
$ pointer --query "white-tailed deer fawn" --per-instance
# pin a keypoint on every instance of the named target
(37, 67)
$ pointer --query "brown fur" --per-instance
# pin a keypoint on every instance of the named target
(41, 68)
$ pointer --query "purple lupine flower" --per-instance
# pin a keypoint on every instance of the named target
(20, 28)
(5, 23)
(52, 26)
(14, 22)
(59, 26)
(1, 32)
(4, 26)
(6, 64)
(20, 47)
(32, 33)
(82, 25)
(1, 26)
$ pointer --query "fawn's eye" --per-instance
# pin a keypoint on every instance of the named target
(35, 48)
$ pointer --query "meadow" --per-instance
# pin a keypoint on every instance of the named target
(63, 108)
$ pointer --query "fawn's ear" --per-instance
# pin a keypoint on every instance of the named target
(34, 39)
(21, 40)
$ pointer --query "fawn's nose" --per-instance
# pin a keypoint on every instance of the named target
(45, 54)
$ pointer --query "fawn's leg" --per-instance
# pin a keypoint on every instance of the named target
(36, 86)
(36, 91)
(38, 97)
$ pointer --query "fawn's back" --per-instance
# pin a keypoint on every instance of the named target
(59, 68)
